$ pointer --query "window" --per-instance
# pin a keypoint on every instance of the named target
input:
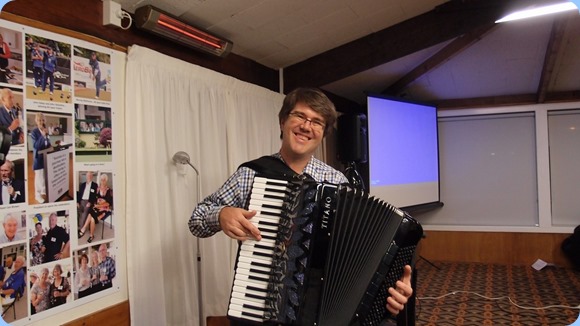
(488, 171)
(564, 137)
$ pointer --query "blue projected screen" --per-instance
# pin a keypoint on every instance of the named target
(403, 151)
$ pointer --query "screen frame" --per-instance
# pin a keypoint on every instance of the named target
(422, 205)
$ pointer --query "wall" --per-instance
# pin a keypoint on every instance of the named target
(82, 20)
(493, 247)
(85, 16)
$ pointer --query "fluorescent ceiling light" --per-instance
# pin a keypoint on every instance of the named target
(538, 11)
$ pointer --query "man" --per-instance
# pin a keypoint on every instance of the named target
(5, 55)
(14, 284)
(40, 141)
(86, 198)
(49, 60)
(36, 55)
(96, 74)
(8, 267)
(306, 116)
(12, 189)
(10, 225)
(56, 241)
(2, 275)
(9, 117)
(106, 268)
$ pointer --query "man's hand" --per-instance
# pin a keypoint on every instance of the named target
(15, 124)
(399, 296)
(236, 225)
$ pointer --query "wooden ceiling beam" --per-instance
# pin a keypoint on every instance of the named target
(506, 100)
(553, 49)
(449, 51)
(445, 22)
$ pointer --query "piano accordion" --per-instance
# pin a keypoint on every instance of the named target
(328, 255)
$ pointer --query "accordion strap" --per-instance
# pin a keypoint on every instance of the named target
(273, 167)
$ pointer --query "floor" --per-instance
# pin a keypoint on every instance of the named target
(108, 233)
(457, 293)
(20, 308)
(492, 294)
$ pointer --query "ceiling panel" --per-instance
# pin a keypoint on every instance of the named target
(281, 33)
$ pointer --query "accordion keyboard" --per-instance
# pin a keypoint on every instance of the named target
(249, 298)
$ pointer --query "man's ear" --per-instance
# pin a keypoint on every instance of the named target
(281, 129)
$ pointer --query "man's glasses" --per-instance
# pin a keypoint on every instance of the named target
(315, 124)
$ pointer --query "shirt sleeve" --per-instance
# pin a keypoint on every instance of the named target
(18, 283)
(112, 269)
(64, 235)
(204, 221)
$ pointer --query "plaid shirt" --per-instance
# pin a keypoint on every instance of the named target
(204, 222)
(109, 265)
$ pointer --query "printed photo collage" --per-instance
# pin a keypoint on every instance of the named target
(57, 240)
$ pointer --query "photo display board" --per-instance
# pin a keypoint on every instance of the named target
(58, 240)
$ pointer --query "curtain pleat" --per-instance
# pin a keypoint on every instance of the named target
(220, 122)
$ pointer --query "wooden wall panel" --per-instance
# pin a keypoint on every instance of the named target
(493, 247)
(116, 315)
(218, 321)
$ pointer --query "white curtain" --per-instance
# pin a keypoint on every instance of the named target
(220, 122)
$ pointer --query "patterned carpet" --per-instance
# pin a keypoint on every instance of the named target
(471, 282)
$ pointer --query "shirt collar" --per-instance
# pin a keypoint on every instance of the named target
(309, 169)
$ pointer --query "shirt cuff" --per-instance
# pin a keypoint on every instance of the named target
(213, 220)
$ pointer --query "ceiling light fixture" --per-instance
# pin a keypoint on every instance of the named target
(540, 11)
(158, 22)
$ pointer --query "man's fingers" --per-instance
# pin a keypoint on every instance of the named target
(249, 226)
(393, 306)
(237, 233)
(249, 214)
(398, 297)
(404, 284)
(407, 274)
(404, 289)
(235, 224)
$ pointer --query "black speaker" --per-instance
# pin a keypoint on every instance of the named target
(352, 138)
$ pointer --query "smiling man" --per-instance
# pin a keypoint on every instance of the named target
(9, 116)
(12, 190)
(56, 241)
(10, 226)
(306, 117)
